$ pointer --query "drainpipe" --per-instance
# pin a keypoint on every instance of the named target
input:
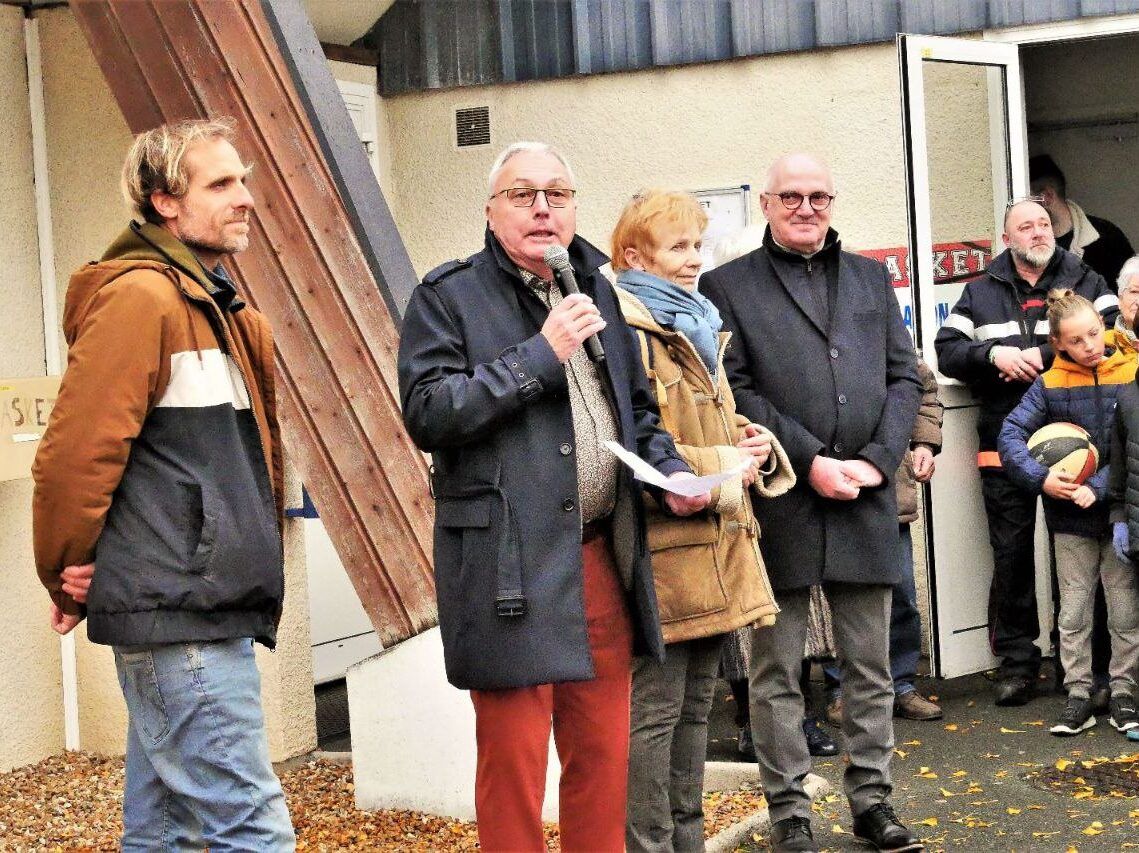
(52, 361)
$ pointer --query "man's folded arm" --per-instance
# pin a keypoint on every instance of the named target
(110, 383)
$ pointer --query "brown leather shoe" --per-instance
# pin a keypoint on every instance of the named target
(834, 711)
(913, 706)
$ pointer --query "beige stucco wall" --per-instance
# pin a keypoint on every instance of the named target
(86, 135)
(87, 138)
(29, 650)
(692, 127)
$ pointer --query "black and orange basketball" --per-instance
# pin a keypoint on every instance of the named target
(1065, 448)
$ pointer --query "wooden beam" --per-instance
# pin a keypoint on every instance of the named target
(352, 55)
(313, 266)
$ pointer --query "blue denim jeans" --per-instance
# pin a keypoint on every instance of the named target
(905, 626)
(197, 769)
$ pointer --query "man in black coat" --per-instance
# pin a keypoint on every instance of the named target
(995, 340)
(543, 580)
(820, 355)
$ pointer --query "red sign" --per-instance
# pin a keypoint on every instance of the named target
(953, 263)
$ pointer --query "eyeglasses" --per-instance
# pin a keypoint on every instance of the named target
(793, 200)
(526, 196)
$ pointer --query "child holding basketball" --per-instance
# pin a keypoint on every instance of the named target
(1081, 388)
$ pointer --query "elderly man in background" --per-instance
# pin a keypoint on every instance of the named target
(821, 357)
(1128, 290)
(543, 579)
(995, 340)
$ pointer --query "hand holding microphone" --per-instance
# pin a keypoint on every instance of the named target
(575, 321)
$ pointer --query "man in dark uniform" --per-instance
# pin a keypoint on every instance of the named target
(995, 340)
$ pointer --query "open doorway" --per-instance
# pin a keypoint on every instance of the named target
(1082, 108)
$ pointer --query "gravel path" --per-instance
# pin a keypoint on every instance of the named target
(73, 802)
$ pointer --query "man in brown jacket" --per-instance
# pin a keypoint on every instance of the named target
(156, 511)
(905, 620)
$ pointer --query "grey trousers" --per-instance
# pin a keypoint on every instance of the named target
(1081, 562)
(861, 618)
(668, 744)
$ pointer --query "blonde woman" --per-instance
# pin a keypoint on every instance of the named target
(709, 575)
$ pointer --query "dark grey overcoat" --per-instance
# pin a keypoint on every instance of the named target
(483, 391)
(850, 392)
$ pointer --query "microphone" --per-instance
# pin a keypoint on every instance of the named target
(557, 259)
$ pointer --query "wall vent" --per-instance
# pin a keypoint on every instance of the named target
(472, 126)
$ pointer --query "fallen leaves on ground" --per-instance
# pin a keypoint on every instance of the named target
(723, 808)
(73, 802)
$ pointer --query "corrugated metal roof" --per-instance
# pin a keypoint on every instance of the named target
(428, 44)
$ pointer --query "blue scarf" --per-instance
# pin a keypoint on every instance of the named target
(675, 308)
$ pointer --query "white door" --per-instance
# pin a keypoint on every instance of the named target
(964, 129)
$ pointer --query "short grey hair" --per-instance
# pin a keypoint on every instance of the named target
(1129, 269)
(525, 147)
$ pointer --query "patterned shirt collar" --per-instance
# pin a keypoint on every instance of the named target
(535, 282)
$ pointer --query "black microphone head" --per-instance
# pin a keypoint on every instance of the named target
(556, 257)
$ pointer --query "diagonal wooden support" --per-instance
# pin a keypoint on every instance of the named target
(327, 272)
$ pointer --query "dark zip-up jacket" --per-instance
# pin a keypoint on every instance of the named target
(1123, 481)
(1084, 396)
(161, 463)
(1000, 308)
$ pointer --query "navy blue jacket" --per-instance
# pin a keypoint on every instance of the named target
(1079, 395)
(483, 391)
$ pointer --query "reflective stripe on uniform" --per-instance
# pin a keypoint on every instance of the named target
(962, 324)
(989, 459)
(998, 330)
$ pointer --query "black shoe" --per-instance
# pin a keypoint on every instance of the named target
(745, 746)
(793, 833)
(1013, 690)
(1077, 717)
(1124, 717)
(819, 743)
(879, 827)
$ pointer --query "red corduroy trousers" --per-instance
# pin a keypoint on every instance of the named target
(590, 722)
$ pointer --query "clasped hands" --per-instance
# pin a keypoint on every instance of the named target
(1061, 487)
(756, 446)
(842, 479)
(76, 582)
(1014, 364)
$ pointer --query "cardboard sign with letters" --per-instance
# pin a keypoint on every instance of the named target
(25, 405)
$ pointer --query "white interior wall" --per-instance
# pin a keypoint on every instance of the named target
(1089, 79)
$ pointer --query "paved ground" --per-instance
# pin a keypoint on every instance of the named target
(971, 780)
(975, 774)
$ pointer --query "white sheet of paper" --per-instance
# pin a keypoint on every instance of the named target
(646, 473)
